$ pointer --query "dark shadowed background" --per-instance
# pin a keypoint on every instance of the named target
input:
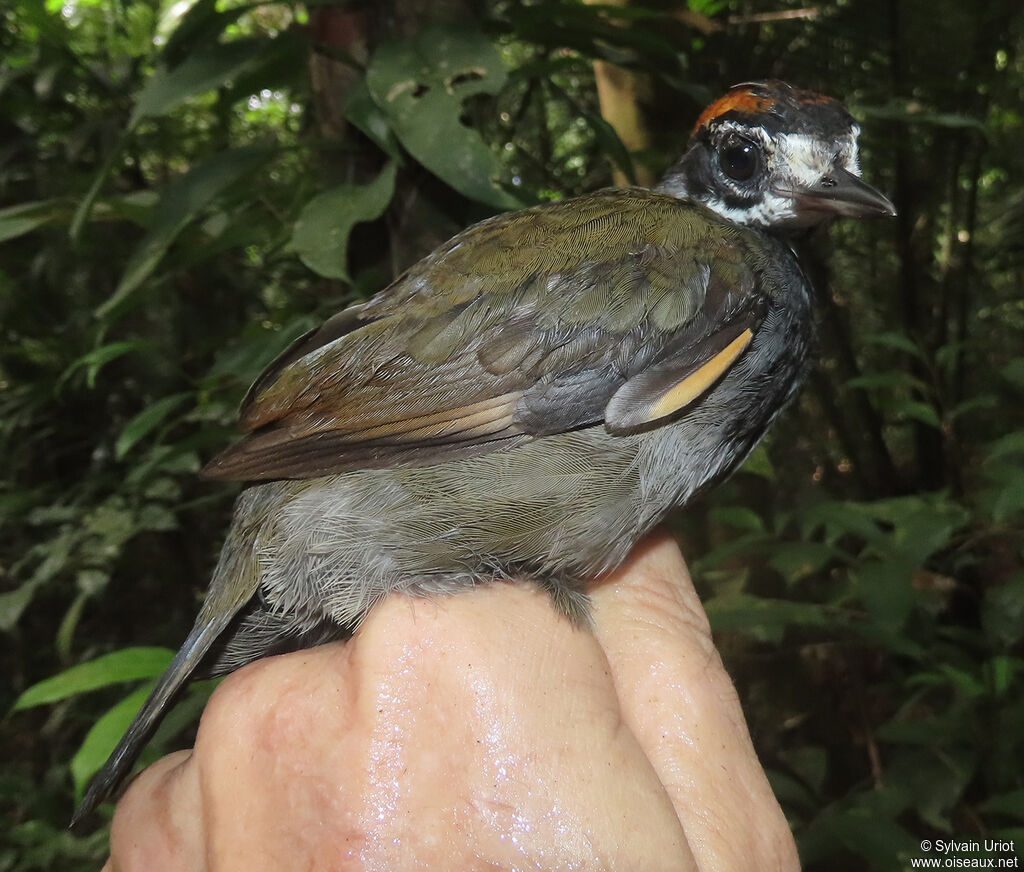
(185, 187)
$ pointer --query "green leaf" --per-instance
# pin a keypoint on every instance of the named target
(1010, 803)
(1014, 372)
(947, 355)
(759, 463)
(85, 205)
(1002, 612)
(103, 737)
(322, 229)
(128, 664)
(157, 518)
(200, 26)
(906, 728)
(797, 560)
(917, 411)
(1000, 672)
(421, 84)
(143, 423)
(200, 72)
(920, 526)
(14, 602)
(837, 519)
(182, 200)
(371, 119)
(96, 359)
(889, 380)
(25, 217)
(744, 545)
(809, 762)
(68, 624)
(886, 589)
(911, 114)
(246, 358)
(790, 792)
(862, 831)
(606, 135)
(761, 618)
(1009, 495)
(739, 517)
(935, 782)
(981, 402)
(895, 341)
(1006, 446)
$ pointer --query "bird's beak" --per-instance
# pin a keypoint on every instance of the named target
(842, 193)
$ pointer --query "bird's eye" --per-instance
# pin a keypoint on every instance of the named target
(739, 159)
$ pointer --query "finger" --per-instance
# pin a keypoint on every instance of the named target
(681, 705)
(471, 732)
(157, 826)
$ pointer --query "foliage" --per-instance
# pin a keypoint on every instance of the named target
(185, 188)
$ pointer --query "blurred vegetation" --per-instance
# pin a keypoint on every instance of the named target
(185, 187)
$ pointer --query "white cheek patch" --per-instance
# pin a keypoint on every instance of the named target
(802, 160)
(794, 162)
(848, 146)
(771, 210)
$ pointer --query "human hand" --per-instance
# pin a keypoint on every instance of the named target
(479, 731)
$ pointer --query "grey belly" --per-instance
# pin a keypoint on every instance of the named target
(561, 509)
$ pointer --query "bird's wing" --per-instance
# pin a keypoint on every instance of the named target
(623, 307)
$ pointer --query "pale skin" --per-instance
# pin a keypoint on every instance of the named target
(480, 731)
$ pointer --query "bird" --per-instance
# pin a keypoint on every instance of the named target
(529, 399)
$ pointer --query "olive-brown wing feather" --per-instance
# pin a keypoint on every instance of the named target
(500, 336)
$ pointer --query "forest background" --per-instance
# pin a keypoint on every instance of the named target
(185, 187)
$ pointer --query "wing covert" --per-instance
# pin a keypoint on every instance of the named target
(502, 335)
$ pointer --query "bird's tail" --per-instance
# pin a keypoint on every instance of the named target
(235, 581)
(206, 631)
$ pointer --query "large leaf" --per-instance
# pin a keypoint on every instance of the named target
(739, 517)
(86, 204)
(57, 552)
(1006, 446)
(93, 361)
(912, 114)
(421, 84)
(104, 736)
(144, 422)
(866, 827)
(198, 73)
(182, 200)
(916, 410)
(759, 463)
(321, 232)
(1014, 372)
(894, 340)
(797, 560)
(26, 217)
(760, 617)
(837, 519)
(101, 740)
(14, 602)
(920, 526)
(246, 357)
(1010, 803)
(198, 27)
(891, 379)
(371, 119)
(1006, 497)
(128, 664)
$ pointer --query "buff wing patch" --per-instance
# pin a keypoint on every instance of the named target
(663, 391)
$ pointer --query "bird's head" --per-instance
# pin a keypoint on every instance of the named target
(769, 155)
